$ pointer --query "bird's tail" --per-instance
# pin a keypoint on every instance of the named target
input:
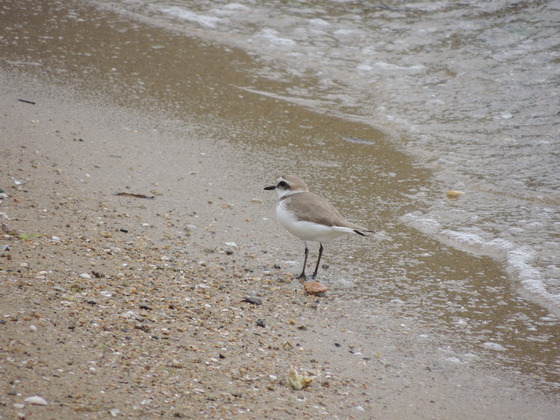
(362, 233)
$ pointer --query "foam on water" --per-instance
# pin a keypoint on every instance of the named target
(519, 259)
(184, 14)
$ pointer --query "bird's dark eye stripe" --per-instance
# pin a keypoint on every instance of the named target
(282, 184)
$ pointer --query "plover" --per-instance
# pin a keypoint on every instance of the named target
(309, 217)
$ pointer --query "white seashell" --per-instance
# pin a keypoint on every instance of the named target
(36, 400)
(115, 412)
(298, 381)
(129, 315)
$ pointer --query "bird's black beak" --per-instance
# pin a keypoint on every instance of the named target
(272, 187)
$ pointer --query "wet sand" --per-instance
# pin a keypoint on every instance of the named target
(116, 305)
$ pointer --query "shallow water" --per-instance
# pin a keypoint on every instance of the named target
(381, 108)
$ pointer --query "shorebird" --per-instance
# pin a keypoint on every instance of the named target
(309, 217)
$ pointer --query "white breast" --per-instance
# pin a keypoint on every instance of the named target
(307, 231)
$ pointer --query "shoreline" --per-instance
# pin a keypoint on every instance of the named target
(117, 305)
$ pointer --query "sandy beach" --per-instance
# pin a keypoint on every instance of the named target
(133, 305)
(143, 273)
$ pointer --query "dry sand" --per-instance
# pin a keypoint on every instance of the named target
(120, 306)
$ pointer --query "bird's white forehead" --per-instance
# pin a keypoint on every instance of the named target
(290, 184)
(283, 184)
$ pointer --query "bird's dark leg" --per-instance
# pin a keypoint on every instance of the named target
(318, 260)
(302, 275)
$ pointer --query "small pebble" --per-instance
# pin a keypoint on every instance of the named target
(253, 300)
(177, 364)
(454, 194)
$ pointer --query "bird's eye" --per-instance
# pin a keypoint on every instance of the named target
(282, 184)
